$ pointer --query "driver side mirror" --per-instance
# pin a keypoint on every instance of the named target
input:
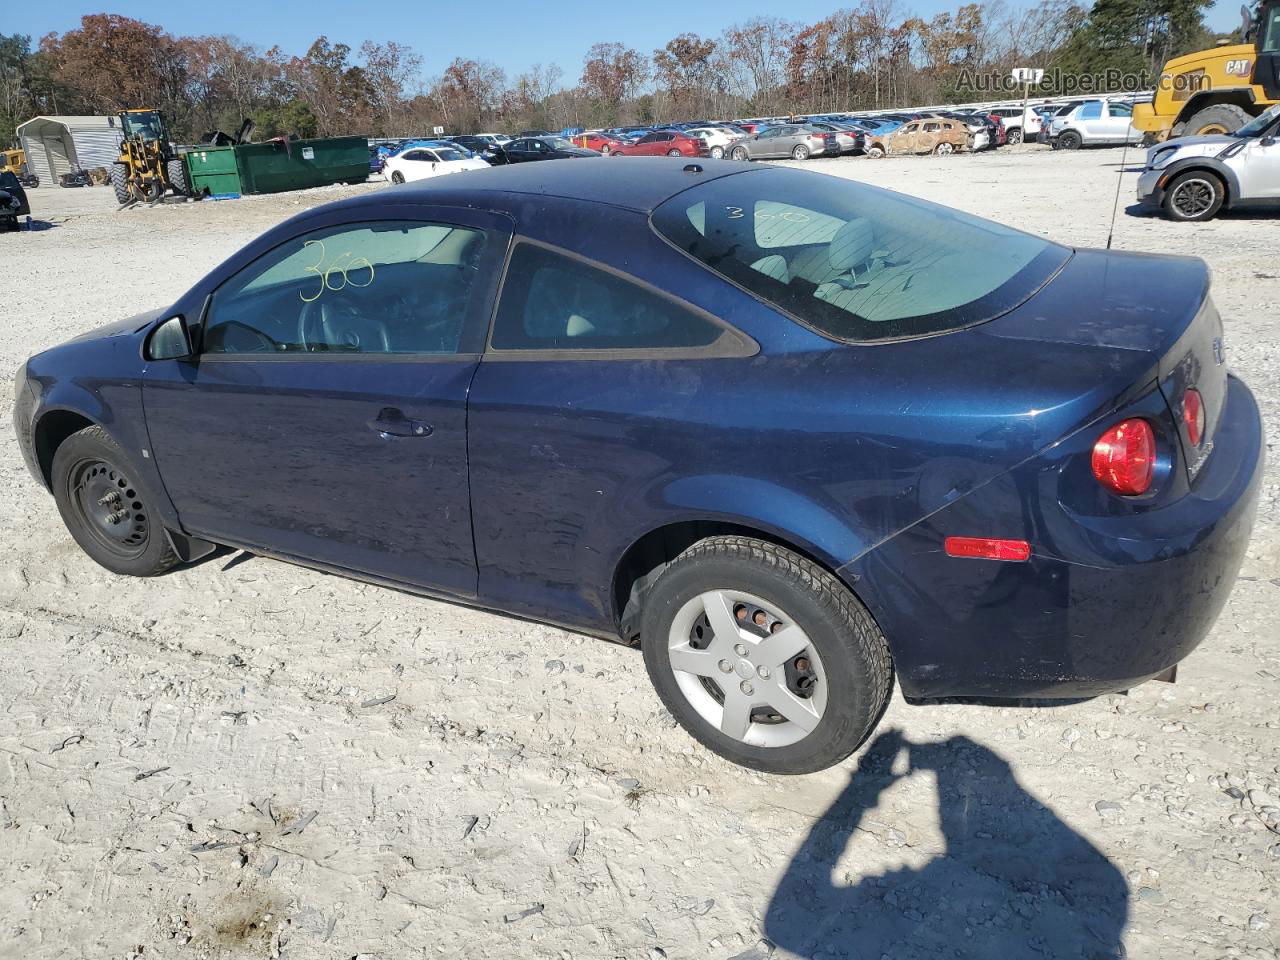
(169, 341)
(1268, 141)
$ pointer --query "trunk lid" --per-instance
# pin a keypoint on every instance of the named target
(1146, 318)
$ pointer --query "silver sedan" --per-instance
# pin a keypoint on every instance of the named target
(800, 141)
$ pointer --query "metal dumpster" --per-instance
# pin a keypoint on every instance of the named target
(212, 171)
(274, 166)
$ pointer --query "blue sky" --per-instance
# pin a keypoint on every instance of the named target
(510, 33)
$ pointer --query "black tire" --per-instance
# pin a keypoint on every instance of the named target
(717, 152)
(799, 152)
(177, 173)
(120, 182)
(740, 153)
(135, 545)
(1194, 196)
(1070, 140)
(1219, 118)
(397, 176)
(855, 657)
(674, 153)
(1014, 136)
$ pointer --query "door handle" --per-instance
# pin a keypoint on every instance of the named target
(391, 422)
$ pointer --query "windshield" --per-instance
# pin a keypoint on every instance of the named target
(1259, 124)
(856, 262)
(452, 153)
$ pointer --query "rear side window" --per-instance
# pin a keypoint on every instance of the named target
(555, 302)
(1090, 111)
(855, 262)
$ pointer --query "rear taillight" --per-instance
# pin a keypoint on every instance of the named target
(1193, 416)
(1124, 457)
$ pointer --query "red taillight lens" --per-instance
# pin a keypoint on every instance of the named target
(987, 549)
(1124, 457)
(1193, 416)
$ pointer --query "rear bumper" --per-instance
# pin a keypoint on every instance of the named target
(1135, 598)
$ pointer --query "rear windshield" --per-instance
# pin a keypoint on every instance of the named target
(856, 262)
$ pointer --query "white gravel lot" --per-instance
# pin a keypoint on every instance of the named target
(201, 765)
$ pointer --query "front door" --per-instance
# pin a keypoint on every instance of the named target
(325, 415)
(1259, 169)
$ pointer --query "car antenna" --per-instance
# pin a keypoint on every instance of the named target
(1115, 206)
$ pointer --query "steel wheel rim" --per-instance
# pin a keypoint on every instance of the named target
(764, 698)
(944, 148)
(109, 507)
(1192, 198)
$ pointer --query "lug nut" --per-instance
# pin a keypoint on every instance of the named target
(725, 666)
(118, 516)
(747, 688)
(759, 618)
(740, 649)
(764, 672)
(802, 663)
(111, 497)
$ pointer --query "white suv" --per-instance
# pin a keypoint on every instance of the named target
(1193, 178)
(1018, 124)
(1095, 122)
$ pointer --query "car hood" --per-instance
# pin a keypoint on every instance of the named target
(121, 328)
(577, 152)
(1207, 146)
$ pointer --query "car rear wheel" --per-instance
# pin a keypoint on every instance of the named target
(944, 148)
(673, 152)
(763, 656)
(717, 153)
(105, 508)
(875, 151)
(1194, 196)
(800, 152)
(740, 153)
(1069, 141)
(397, 176)
(1013, 137)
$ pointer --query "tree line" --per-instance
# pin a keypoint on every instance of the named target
(870, 56)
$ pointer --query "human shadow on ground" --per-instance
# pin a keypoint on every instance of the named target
(1012, 881)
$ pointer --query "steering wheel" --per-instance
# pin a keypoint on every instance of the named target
(326, 324)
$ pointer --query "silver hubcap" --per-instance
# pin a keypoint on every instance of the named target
(1193, 197)
(747, 668)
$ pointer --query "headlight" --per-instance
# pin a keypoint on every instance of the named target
(1161, 158)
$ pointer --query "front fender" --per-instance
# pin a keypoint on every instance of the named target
(110, 397)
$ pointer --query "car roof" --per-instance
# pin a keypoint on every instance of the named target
(634, 183)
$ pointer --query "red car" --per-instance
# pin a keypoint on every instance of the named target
(597, 141)
(669, 143)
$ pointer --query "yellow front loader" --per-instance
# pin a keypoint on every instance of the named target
(148, 168)
(1221, 89)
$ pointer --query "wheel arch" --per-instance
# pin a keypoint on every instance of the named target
(650, 552)
(50, 431)
(1211, 165)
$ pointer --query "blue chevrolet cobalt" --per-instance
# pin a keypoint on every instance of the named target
(792, 435)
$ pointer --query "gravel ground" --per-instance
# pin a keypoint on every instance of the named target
(247, 758)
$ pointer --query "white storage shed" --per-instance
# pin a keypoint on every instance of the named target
(58, 145)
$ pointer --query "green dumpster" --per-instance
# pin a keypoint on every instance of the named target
(212, 171)
(274, 166)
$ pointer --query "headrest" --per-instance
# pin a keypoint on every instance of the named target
(852, 245)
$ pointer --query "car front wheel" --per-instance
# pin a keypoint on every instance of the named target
(763, 656)
(717, 153)
(1194, 196)
(397, 176)
(740, 153)
(105, 508)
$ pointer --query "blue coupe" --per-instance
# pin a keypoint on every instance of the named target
(791, 434)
